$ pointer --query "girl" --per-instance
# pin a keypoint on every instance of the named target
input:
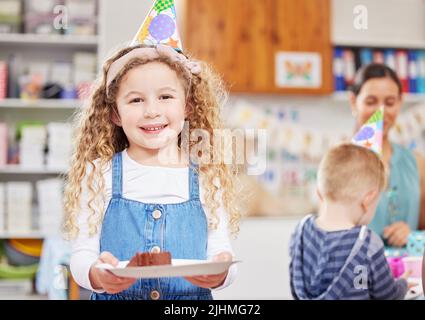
(132, 186)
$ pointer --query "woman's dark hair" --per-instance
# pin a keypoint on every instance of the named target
(373, 71)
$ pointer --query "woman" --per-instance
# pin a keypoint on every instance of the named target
(401, 207)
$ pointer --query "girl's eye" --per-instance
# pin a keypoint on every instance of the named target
(136, 100)
(165, 97)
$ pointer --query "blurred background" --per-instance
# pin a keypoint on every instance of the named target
(288, 65)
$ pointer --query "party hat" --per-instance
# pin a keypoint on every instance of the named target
(371, 133)
(160, 26)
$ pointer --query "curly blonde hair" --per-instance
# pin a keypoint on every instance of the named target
(98, 138)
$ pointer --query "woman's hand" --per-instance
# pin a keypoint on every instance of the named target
(106, 280)
(397, 233)
(214, 280)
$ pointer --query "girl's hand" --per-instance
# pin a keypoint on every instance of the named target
(214, 280)
(106, 280)
(397, 234)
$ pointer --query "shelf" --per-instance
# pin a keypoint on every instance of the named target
(56, 40)
(41, 104)
(410, 98)
(22, 296)
(22, 235)
(377, 43)
(17, 169)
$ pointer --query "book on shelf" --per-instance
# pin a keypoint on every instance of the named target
(32, 145)
(389, 58)
(59, 145)
(3, 79)
(378, 56)
(10, 13)
(50, 205)
(19, 207)
(2, 206)
(408, 64)
(421, 71)
(366, 56)
(412, 69)
(3, 144)
(338, 70)
(402, 69)
(349, 67)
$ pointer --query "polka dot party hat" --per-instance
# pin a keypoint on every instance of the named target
(160, 26)
(371, 133)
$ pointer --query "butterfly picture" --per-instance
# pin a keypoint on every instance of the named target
(298, 69)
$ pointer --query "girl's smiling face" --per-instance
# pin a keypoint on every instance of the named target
(151, 106)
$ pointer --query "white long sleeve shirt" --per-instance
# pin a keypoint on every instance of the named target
(147, 184)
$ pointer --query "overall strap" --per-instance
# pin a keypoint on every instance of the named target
(193, 182)
(117, 175)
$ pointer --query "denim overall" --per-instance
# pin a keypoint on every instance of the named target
(131, 226)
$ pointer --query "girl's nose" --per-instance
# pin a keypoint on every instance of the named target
(151, 111)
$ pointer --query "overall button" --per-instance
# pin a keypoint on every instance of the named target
(155, 295)
(156, 249)
(156, 214)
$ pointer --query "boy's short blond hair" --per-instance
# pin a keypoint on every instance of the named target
(347, 171)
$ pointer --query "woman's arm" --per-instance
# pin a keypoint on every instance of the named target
(420, 161)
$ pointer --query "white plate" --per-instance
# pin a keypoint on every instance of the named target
(178, 268)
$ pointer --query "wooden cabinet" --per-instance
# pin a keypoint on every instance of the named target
(241, 37)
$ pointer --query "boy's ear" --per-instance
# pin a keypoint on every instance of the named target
(115, 118)
(369, 198)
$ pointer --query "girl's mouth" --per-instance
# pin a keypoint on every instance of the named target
(153, 129)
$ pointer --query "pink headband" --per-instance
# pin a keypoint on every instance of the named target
(151, 53)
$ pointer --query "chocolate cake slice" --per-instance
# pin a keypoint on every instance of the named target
(143, 259)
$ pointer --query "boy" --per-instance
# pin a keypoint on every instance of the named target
(335, 256)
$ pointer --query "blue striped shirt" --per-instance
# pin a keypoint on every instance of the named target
(348, 264)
